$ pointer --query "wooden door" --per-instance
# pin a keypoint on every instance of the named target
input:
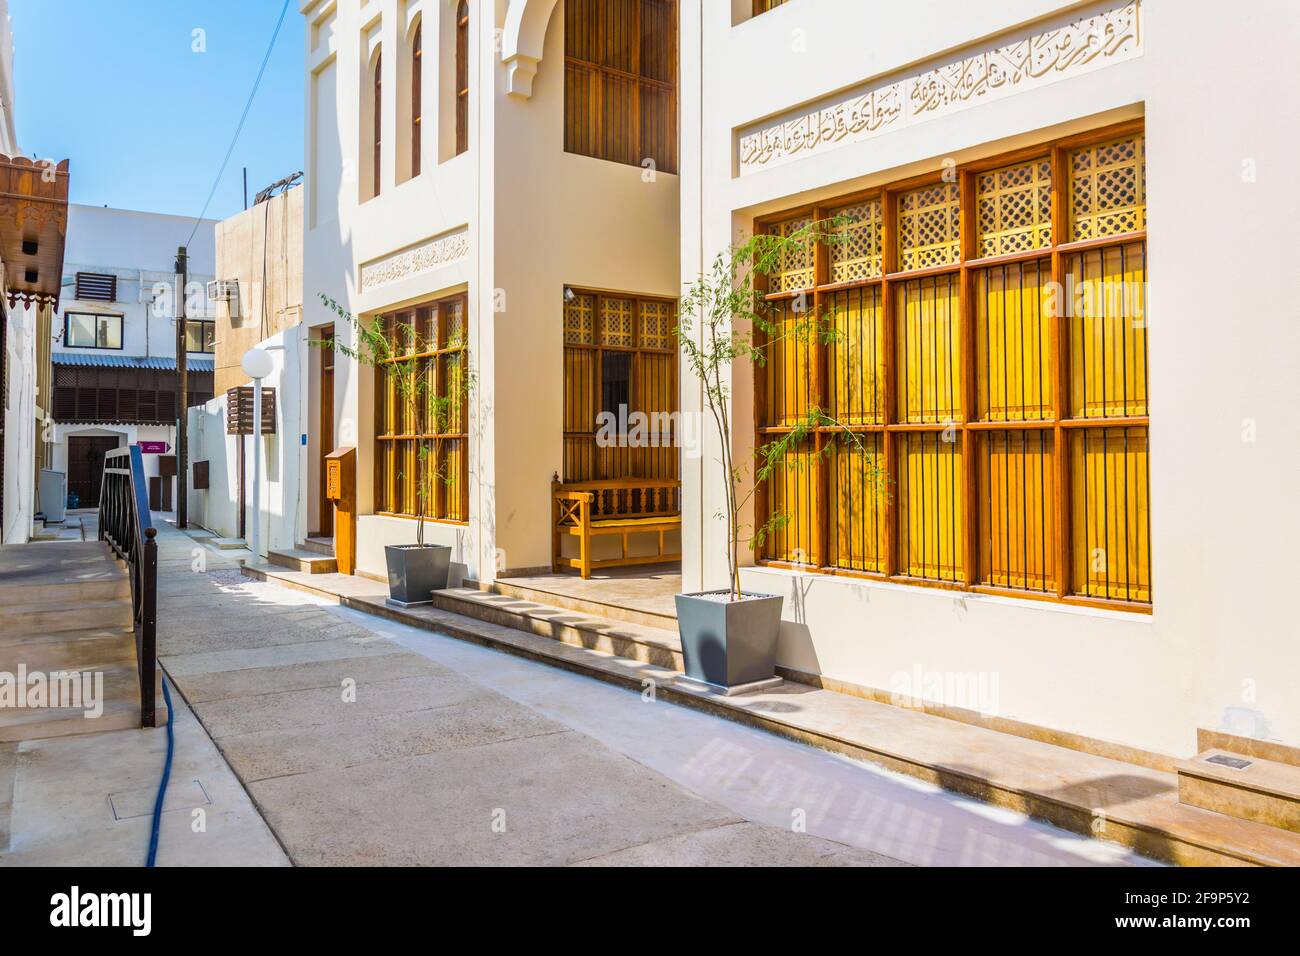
(326, 432)
(86, 466)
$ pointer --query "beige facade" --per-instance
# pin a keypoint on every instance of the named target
(261, 249)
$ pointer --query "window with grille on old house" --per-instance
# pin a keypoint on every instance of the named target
(620, 369)
(85, 330)
(620, 81)
(430, 340)
(990, 349)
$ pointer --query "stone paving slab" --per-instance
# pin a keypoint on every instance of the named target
(187, 665)
(548, 800)
(337, 706)
(63, 811)
(220, 685)
(256, 634)
(364, 741)
(740, 844)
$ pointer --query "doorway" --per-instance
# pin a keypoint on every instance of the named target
(326, 432)
(86, 466)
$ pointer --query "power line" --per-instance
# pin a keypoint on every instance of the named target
(243, 116)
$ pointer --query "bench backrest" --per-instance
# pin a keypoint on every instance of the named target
(629, 497)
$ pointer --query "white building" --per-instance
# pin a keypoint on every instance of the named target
(1120, 566)
(114, 353)
(438, 183)
(1138, 590)
(33, 224)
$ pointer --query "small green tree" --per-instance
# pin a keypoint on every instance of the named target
(436, 409)
(729, 308)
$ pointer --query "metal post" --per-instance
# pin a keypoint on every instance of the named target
(257, 467)
(182, 395)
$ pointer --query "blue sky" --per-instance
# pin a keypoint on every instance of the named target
(114, 86)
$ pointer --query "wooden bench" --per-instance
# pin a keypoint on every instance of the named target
(620, 506)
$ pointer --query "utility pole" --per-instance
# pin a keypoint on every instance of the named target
(182, 394)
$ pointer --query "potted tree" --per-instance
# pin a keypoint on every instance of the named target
(729, 636)
(415, 571)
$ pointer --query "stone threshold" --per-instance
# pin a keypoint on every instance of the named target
(1109, 799)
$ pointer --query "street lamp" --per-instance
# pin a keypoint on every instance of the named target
(257, 365)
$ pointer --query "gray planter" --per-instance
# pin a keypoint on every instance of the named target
(728, 643)
(416, 571)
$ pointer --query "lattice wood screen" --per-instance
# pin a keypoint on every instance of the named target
(1003, 389)
(430, 339)
(613, 342)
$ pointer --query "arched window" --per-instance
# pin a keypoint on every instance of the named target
(379, 63)
(462, 77)
(416, 70)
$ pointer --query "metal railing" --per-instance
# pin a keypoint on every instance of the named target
(125, 524)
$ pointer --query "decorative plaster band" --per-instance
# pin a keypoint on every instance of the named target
(428, 255)
(1088, 43)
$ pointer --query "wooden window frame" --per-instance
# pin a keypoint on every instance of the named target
(201, 323)
(97, 316)
(377, 91)
(590, 118)
(636, 387)
(1062, 424)
(462, 78)
(417, 95)
(389, 484)
(760, 7)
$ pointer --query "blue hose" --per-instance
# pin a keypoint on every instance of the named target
(162, 785)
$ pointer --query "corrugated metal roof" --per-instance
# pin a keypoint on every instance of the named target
(94, 360)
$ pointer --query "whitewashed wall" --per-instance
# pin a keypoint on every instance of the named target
(1219, 650)
(139, 248)
(510, 222)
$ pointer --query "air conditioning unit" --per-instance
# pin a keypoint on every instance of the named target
(227, 291)
(223, 290)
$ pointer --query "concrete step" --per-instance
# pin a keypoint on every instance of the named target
(323, 546)
(613, 612)
(111, 585)
(67, 650)
(228, 544)
(650, 645)
(121, 710)
(298, 559)
(62, 572)
(1250, 788)
(61, 616)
